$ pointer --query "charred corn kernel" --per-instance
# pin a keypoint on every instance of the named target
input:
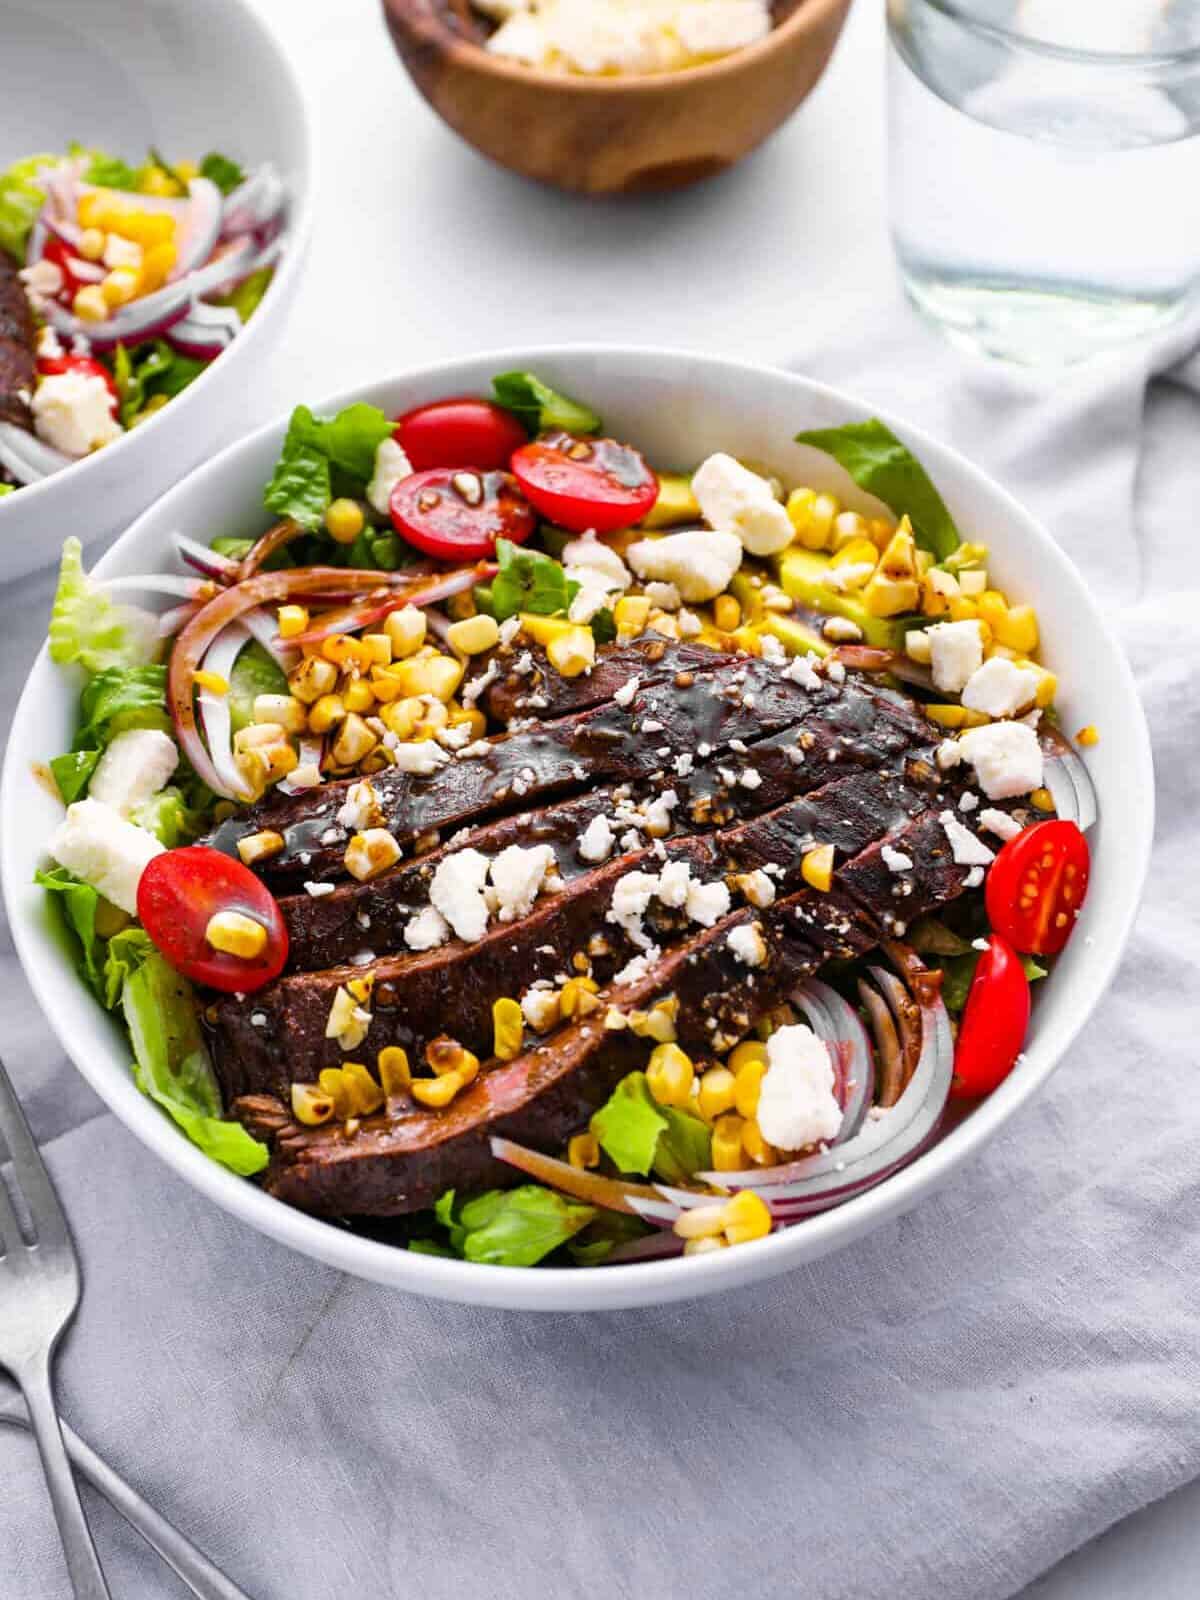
(292, 620)
(992, 608)
(727, 613)
(701, 1222)
(573, 652)
(952, 716)
(345, 652)
(186, 170)
(436, 675)
(260, 846)
(91, 244)
(471, 715)
(334, 1085)
(747, 1081)
(508, 1029)
(312, 679)
(816, 867)
(894, 587)
(881, 530)
(630, 614)
(670, 1075)
(437, 1093)
(212, 681)
(395, 1075)
(281, 711)
(540, 1008)
(1042, 800)
(120, 286)
(1047, 682)
(354, 741)
(379, 647)
(281, 759)
(257, 736)
(154, 180)
(938, 589)
(365, 1093)
(854, 561)
(727, 1144)
(344, 520)
(570, 996)
(359, 696)
(917, 647)
(1088, 736)
(1018, 629)
(584, 1150)
(658, 1023)
(850, 527)
(311, 1105)
(157, 263)
(385, 685)
(406, 629)
(473, 635)
(716, 1092)
(749, 1050)
(542, 629)
(973, 582)
(89, 304)
(360, 988)
(444, 1055)
(962, 609)
(748, 639)
(662, 622)
(371, 852)
(747, 1216)
(756, 1147)
(327, 713)
(379, 759)
(235, 934)
(402, 716)
(812, 516)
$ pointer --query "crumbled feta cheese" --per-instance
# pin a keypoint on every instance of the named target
(136, 765)
(456, 890)
(968, 801)
(999, 823)
(663, 595)
(540, 1008)
(43, 278)
(736, 501)
(772, 650)
(955, 652)
(97, 844)
(698, 562)
(707, 902)
(657, 815)
(683, 764)
(840, 630)
(689, 624)
(757, 888)
(73, 412)
(967, 850)
(800, 670)
(391, 464)
(947, 755)
(630, 901)
(420, 756)
(596, 841)
(624, 695)
(361, 808)
(517, 874)
(674, 881)
(796, 1103)
(319, 890)
(750, 779)
(896, 860)
(747, 944)
(999, 688)
(1006, 756)
(636, 969)
(973, 878)
(591, 553)
(454, 736)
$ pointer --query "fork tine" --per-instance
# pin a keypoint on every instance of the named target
(29, 1172)
(12, 1241)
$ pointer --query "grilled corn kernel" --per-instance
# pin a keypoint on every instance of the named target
(670, 1075)
(344, 520)
(385, 685)
(365, 1094)
(727, 1144)
(91, 244)
(658, 1023)
(704, 1247)
(541, 1009)
(282, 710)
(312, 679)
(379, 647)
(747, 1082)
(1018, 629)
(402, 716)
(370, 853)
(406, 629)
(748, 1050)
(393, 1069)
(156, 181)
(716, 1092)
(542, 629)
(446, 1055)
(747, 1217)
(1042, 800)
(335, 1086)
(954, 716)
(359, 696)
(157, 263)
(584, 1150)
(354, 741)
(755, 1146)
(727, 613)
(327, 713)
(660, 622)
(473, 635)
(120, 286)
(438, 1092)
(310, 1104)
(471, 715)
(212, 681)
(1088, 736)
(573, 652)
(851, 528)
(508, 1029)
(992, 608)
(292, 621)
(917, 647)
(235, 934)
(89, 304)
(963, 609)
(816, 867)
(260, 846)
(630, 614)
(973, 582)
(345, 652)
(436, 675)
(701, 1222)
(812, 515)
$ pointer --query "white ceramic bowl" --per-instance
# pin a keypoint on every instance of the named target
(125, 74)
(677, 408)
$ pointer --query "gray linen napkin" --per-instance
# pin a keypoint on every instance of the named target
(942, 1411)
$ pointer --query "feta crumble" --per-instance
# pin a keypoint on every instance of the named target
(796, 1103)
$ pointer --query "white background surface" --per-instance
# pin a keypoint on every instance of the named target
(424, 251)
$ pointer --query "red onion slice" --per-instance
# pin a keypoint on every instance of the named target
(205, 331)
(215, 718)
(200, 226)
(374, 608)
(255, 202)
(161, 583)
(659, 1246)
(266, 630)
(203, 560)
(612, 1194)
(86, 271)
(26, 457)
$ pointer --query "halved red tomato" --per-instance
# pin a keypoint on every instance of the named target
(179, 894)
(457, 515)
(582, 483)
(1036, 886)
(459, 433)
(994, 1022)
(50, 366)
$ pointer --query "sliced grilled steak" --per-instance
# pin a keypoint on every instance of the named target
(18, 361)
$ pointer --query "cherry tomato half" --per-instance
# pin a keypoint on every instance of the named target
(994, 1022)
(585, 483)
(181, 890)
(50, 366)
(459, 433)
(1036, 886)
(457, 515)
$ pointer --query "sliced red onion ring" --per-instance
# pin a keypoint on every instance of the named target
(215, 718)
(374, 608)
(658, 1246)
(26, 457)
(203, 560)
(174, 621)
(836, 1022)
(612, 1194)
(200, 226)
(205, 331)
(265, 629)
(247, 266)
(161, 583)
(69, 232)
(255, 201)
(869, 658)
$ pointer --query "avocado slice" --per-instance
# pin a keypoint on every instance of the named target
(802, 575)
(676, 503)
(798, 635)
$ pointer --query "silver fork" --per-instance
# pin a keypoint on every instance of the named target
(39, 1291)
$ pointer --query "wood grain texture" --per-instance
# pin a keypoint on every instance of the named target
(612, 135)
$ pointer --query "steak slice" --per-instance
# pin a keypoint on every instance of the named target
(18, 360)
(398, 1162)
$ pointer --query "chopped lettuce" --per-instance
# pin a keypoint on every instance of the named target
(539, 406)
(223, 171)
(104, 170)
(73, 772)
(880, 464)
(255, 672)
(596, 1242)
(20, 201)
(120, 698)
(314, 451)
(87, 626)
(958, 972)
(170, 817)
(78, 904)
(511, 1227)
(6, 488)
(640, 1136)
(154, 371)
(527, 581)
(172, 1065)
(247, 297)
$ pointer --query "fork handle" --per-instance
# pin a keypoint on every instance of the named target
(83, 1563)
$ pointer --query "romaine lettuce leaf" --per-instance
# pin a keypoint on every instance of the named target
(539, 406)
(78, 904)
(152, 371)
(87, 626)
(119, 698)
(880, 464)
(317, 447)
(247, 297)
(170, 818)
(640, 1136)
(20, 201)
(223, 171)
(527, 581)
(104, 170)
(73, 772)
(511, 1227)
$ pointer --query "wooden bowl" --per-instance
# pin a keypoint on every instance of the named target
(612, 135)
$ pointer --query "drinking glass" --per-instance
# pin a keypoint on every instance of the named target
(1044, 164)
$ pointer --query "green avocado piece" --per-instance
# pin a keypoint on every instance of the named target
(797, 634)
(676, 503)
(802, 575)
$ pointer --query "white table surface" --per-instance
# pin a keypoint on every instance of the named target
(423, 251)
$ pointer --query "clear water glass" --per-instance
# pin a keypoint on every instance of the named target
(1044, 164)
